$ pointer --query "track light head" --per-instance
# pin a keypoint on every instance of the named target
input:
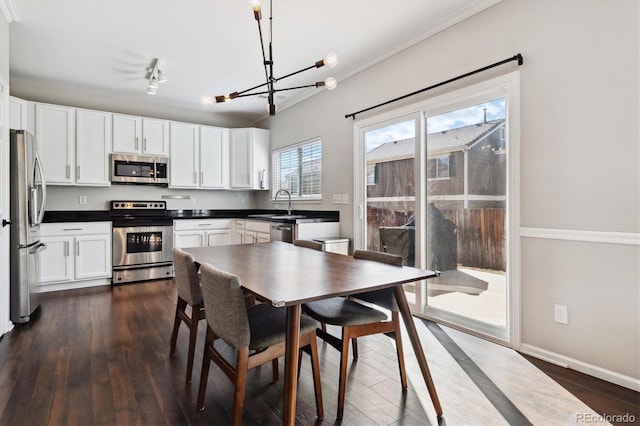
(155, 76)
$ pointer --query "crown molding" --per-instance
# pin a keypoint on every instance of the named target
(10, 11)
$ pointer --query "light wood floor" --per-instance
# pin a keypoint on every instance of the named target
(100, 357)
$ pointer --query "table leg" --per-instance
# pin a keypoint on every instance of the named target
(291, 365)
(417, 347)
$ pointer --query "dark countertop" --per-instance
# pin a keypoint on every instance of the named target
(311, 216)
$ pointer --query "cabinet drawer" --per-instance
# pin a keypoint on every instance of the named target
(201, 224)
(75, 228)
(253, 225)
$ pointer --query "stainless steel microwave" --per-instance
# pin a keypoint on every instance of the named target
(139, 169)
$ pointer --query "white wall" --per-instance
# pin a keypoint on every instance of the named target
(580, 168)
(67, 197)
(5, 324)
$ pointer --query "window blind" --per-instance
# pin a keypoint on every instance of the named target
(298, 169)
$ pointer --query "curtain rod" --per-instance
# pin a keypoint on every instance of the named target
(517, 57)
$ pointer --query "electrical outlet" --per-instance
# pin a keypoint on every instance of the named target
(337, 199)
(82, 199)
(193, 201)
(561, 314)
(344, 199)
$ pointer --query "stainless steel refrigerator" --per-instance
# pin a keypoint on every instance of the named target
(28, 199)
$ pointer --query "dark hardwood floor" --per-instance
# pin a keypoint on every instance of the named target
(100, 356)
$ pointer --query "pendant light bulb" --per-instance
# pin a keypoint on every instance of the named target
(331, 60)
(330, 83)
(153, 84)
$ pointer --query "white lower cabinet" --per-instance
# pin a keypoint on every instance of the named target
(252, 232)
(76, 252)
(202, 232)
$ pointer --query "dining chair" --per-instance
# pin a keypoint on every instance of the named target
(188, 286)
(257, 333)
(358, 319)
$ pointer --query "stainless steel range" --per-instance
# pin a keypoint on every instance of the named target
(142, 241)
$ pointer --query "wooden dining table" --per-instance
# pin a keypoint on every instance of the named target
(288, 276)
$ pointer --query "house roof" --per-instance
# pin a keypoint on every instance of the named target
(438, 142)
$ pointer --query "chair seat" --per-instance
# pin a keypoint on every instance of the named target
(342, 311)
(383, 298)
(268, 325)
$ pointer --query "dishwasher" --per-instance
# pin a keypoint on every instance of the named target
(282, 232)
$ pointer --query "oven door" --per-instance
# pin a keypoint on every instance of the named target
(142, 245)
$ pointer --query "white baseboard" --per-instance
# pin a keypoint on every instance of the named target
(74, 284)
(583, 367)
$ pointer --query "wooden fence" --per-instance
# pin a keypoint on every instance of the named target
(481, 237)
(481, 234)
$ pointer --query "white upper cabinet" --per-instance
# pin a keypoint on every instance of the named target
(155, 136)
(249, 152)
(93, 145)
(214, 157)
(138, 135)
(55, 134)
(74, 145)
(17, 113)
(184, 171)
(199, 156)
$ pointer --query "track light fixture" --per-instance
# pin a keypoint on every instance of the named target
(155, 76)
(330, 60)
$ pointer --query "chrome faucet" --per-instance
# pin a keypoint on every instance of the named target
(289, 208)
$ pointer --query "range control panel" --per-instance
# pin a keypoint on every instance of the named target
(138, 205)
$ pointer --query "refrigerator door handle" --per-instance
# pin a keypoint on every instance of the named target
(43, 199)
(37, 248)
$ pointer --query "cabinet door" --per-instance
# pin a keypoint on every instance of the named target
(262, 237)
(250, 157)
(240, 236)
(155, 137)
(261, 144)
(241, 158)
(126, 133)
(55, 133)
(187, 239)
(184, 155)
(56, 262)
(250, 237)
(219, 237)
(17, 113)
(214, 157)
(92, 256)
(93, 144)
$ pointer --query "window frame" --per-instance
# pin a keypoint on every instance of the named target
(437, 161)
(277, 175)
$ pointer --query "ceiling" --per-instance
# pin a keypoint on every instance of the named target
(212, 47)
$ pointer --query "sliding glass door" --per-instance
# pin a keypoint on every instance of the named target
(434, 183)
(389, 203)
(465, 210)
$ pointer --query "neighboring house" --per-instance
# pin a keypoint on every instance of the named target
(466, 176)
(466, 168)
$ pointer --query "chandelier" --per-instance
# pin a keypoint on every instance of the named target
(268, 88)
